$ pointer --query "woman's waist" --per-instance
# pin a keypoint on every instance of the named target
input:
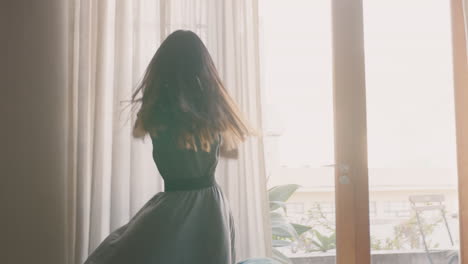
(188, 183)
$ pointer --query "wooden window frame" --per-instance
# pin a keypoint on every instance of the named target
(349, 96)
(460, 78)
(351, 173)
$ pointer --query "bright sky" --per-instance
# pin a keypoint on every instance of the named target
(408, 73)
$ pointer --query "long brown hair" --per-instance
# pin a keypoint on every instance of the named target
(182, 91)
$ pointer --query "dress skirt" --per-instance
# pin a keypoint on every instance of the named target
(175, 227)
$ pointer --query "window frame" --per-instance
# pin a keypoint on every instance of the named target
(351, 174)
(460, 73)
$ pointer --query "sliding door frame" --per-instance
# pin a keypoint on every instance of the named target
(460, 79)
(351, 173)
(349, 90)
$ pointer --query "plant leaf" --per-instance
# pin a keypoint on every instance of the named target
(281, 243)
(285, 230)
(301, 229)
(280, 257)
(323, 242)
(281, 227)
(282, 193)
(318, 246)
(276, 204)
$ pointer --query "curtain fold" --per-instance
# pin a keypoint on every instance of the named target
(112, 175)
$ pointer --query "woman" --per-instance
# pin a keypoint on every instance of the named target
(191, 120)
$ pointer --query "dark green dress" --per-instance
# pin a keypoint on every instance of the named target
(190, 222)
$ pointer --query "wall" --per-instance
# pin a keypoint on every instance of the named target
(33, 131)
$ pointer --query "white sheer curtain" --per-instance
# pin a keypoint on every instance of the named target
(112, 175)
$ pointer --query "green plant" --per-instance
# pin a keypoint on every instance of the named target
(284, 232)
(407, 235)
(323, 242)
(322, 236)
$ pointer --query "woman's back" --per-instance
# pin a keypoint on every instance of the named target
(182, 168)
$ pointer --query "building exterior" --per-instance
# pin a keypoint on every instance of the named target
(389, 193)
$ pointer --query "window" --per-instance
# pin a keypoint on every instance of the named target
(396, 103)
(410, 120)
(397, 209)
(295, 45)
(372, 209)
(295, 208)
(325, 208)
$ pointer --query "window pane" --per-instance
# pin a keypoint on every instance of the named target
(298, 120)
(411, 131)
